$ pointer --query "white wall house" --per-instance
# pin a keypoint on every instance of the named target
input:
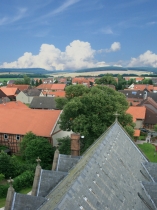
(24, 98)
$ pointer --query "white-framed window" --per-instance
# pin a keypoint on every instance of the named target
(5, 136)
(17, 137)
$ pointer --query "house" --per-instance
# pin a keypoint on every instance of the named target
(2, 94)
(151, 112)
(142, 87)
(20, 87)
(113, 174)
(134, 97)
(43, 103)
(26, 96)
(82, 81)
(15, 123)
(11, 82)
(48, 80)
(10, 92)
(53, 94)
(51, 87)
(138, 113)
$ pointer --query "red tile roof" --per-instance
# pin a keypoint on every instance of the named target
(9, 91)
(138, 112)
(14, 105)
(142, 87)
(21, 121)
(58, 86)
(136, 133)
(20, 87)
(56, 93)
(51, 86)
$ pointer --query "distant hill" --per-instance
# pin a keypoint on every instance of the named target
(105, 68)
(29, 70)
(116, 68)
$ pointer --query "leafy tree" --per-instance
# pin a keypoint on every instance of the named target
(121, 82)
(64, 145)
(75, 91)
(60, 102)
(26, 80)
(106, 80)
(33, 146)
(36, 83)
(40, 82)
(131, 81)
(93, 112)
(32, 82)
(147, 81)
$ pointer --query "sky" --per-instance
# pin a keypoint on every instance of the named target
(78, 34)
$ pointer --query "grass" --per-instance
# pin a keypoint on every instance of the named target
(149, 151)
(2, 202)
(23, 191)
(7, 79)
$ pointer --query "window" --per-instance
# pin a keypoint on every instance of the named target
(6, 136)
(17, 137)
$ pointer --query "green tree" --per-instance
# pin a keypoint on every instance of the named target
(26, 80)
(33, 146)
(93, 112)
(64, 145)
(60, 102)
(106, 80)
(40, 82)
(75, 91)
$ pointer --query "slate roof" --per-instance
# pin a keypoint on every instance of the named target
(21, 121)
(108, 176)
(113, 174)
(152, 95)
(43, 102)
(135, 94)
(32, 92)
(4, 100)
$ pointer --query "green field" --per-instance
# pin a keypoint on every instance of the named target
(7, 79)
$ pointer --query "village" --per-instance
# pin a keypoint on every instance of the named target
(39, 110)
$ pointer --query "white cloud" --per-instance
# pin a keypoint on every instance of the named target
(77, 55)
(146, 59)
(114, 47)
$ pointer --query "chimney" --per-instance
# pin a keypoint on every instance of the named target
(75, 144)
(10, 195)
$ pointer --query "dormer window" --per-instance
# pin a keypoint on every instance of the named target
(17, 137)
(5, 136)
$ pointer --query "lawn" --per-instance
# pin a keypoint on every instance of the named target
(149, 151)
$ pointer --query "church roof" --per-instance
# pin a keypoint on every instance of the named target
(108, 176)
(112, 174)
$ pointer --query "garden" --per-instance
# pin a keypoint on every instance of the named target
(21, 167)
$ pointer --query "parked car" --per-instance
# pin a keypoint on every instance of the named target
(145, 130)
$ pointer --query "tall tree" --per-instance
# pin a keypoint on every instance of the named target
(106, 80)
(93, 112)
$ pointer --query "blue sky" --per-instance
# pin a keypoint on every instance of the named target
(76, 34)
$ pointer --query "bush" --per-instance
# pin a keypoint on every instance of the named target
(3, 190)
(24, 180)
(141, 138)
